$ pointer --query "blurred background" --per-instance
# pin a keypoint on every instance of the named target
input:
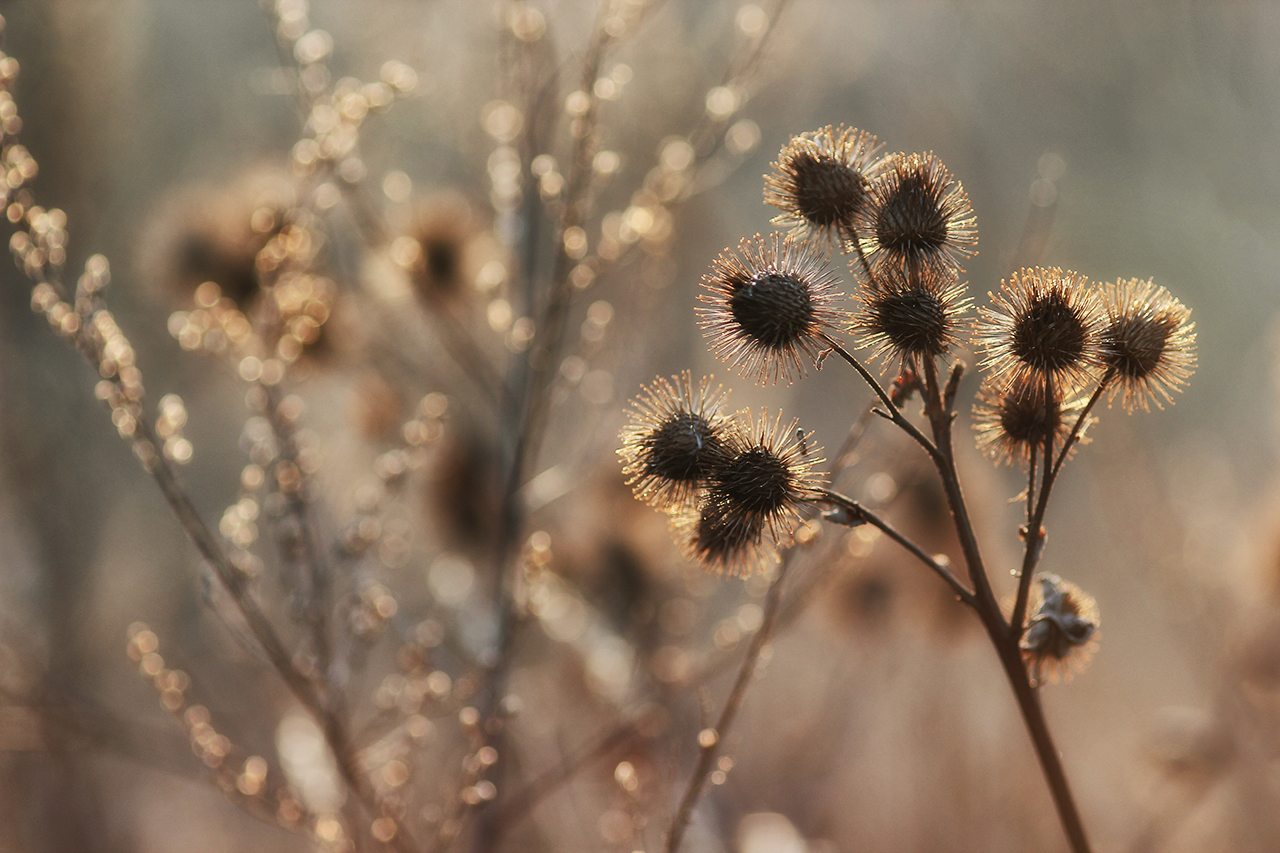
(1118, 140)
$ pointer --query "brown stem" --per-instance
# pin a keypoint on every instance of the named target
(941, 418)
(1035, 521)
(859, 513)
(1038, 728)
(988, 609)
(892, 412)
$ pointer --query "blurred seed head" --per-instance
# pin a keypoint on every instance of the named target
(1044, 323)
(1061, 635)
(918, 217)
(1148, 342)
(1013, 422)
(675, 440)
(206, 233)
(821, 181)
(442, 252)
(768, 302)
(911, 317)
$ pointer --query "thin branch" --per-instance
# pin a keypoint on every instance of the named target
(892, 411)
(1034, 535)
(709, 746)
(1002, 637)
(858, 513)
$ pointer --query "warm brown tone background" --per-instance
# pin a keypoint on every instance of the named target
(882, 722)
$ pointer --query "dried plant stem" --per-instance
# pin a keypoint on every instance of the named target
(523, 801)
(938, 409)
(318, 598)
(1035, 519)
(859, 514)
(988, 609)
(710, 749)
(307, 692)
(891, 411)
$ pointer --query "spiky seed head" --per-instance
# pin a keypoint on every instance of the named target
(1148, 342)
(767, 303)
(918, 217)
(768, 474)
(820, 181)
(911, 317)
(1061, 636)
(1012, 422)
(721, 540)
(674, 441)
(1043, 323)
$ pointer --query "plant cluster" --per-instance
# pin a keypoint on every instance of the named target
(1051, 343)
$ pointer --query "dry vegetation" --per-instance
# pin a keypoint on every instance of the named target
(347, 322)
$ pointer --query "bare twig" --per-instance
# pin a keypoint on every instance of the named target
(858, 514)
(709, 740)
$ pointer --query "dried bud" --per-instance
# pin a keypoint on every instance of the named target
(1044, 323)
(1148, 342)
(918, 218)
(721, 540)
(911, 317)
(769, 301)
(1013, 423)
(1061, 636)
(675, 440)
(753, 499)
(821, 181)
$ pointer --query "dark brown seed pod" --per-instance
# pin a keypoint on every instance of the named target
(1044, 323)
(1062, 633)
(721, 540)
(767, 476)
(820, 182)
(911, 317)
(675, 440)
(767, 303)
(918, 217)
(1012, 422)
(1148, 343)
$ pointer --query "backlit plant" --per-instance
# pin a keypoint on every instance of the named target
(1051, 342)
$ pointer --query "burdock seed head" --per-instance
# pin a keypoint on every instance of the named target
(911, 317)
(721, 540)
(675, 441)
(821, 180)
(1044, 323)
(1148, 343)
(918, 217)
(767, 303)
(1012, 422)
(1061, 636)
(767, 475)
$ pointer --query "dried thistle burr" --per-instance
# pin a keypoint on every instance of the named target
(1147, 343)
(752, 500)
(1044, 323)
(1012, 423)
(721, 540)
(821, 182)
(918, 217)
(1061, 635)
(675, 441)
(767, 476)
(767, 303)
(911, 317)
